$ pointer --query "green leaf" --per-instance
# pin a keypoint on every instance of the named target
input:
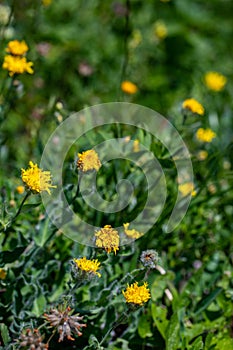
(159, 315)
(172, 334)
(197, 344)
(43, 234)
(28, 207)
(39, 305)
(4, 333)
(204, 303)
(144, 329)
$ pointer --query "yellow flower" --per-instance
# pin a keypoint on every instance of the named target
(36, 179)
(136, 147)
(89, 266)
(202, 155)
(17, 65)
(194, 106)
(137, 294)
(160, 30)
(88, 160)
(131, 233)
(2, 274)
(128, 87)
(46, 2)
(215, 81)
(187, 188)
(107, 238)
(20, 189)
(17, 48)
(205, 135)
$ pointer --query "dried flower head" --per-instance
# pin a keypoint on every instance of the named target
(17, 65)
(107, 238)
(32, 339)
(215, 81)
(17, 48)
(205, 135)
(88, 268)
(194, 106)
(36, 179)
(149, 258)
(131, 233)
(128, 87)
(65, 322)
(135, 294)
(88, 160)
(187, 189)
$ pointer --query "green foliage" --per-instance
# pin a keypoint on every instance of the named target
(82, 51)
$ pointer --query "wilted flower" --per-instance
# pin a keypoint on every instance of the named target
(128, 87)
(215, 81)
(65, 323)
(194, 106)
(187, 189)
(88, 160)
(131, 233)
(205, 135)
(3, 274)
(135, 294)
(17, 65)
(87, 267)
(149, 258)
(17, 48)
(32, 339)
(36, 179)
(107, 238)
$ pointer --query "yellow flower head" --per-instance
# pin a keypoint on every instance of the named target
(194, 106)
(131, 233)
(128, 87)
(17, 65)
(205, 135)
(160, 30)
(2, 274)
(88, 160)
(215, 81)
(20, 189)
(46, 2)
(136, 147)
(187, 189)
(88, 266)
(107, 238)
(137, 294)
(36, 179)
(202, 155)
(17, 48)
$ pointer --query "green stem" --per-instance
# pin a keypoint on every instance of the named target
(20, 207)
(122, 317)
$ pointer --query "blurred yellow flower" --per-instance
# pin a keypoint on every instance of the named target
(136, 145)
(136, 39)
(107, 238)
(137, 294)
(46, 2)
(194, 106)
(131, 233)
(17, 48)
(128, 87)
(202, 155)
(160, 29)
(36, 179)
(17, 65)
(89, 266)
(187, 189)
(215, 81)
(2, 274)
(88, 160)
(205, 135)
(20, 189)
